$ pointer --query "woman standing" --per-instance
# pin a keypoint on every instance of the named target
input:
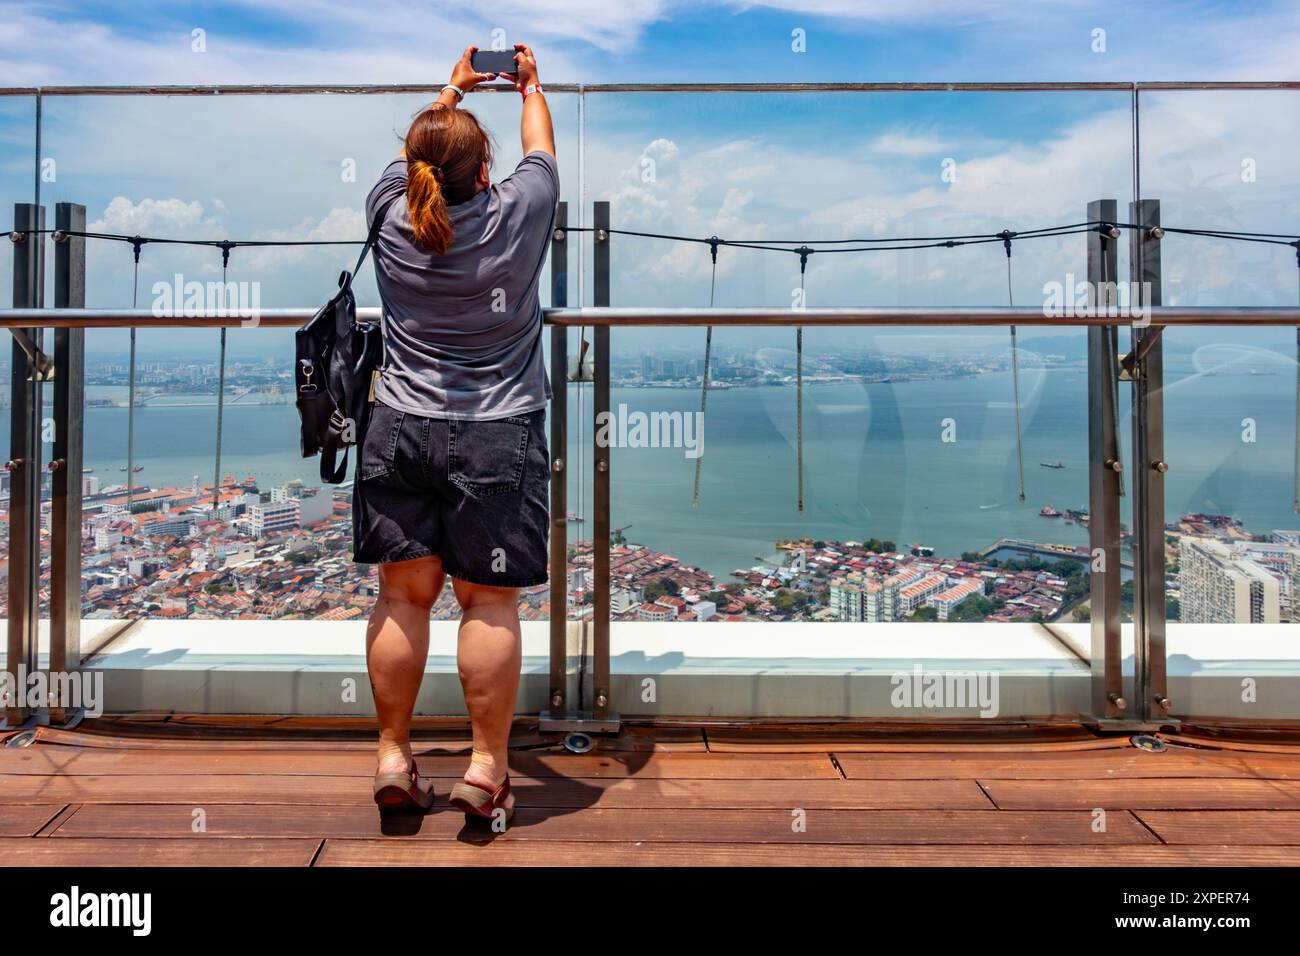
(453, 472)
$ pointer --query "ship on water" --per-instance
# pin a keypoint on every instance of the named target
(1058, 464)
(1049, 512)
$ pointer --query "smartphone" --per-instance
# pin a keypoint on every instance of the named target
(494, 61)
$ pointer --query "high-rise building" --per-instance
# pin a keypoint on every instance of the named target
(1219, 585)
(1281, 558)
(846, 597)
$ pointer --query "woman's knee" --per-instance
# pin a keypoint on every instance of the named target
(417, 582)
(480, 596)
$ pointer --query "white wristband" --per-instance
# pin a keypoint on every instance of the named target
(460, 94)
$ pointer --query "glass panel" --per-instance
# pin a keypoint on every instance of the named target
(241, 167)
(1222, 160)
(910, 478)
(17, 179)
(909, 435)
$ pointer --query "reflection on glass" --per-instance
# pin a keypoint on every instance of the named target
(910, 480)
(1233, 543)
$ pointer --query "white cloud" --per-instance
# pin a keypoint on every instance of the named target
(396, 41)
(170, 218)
(905, 144)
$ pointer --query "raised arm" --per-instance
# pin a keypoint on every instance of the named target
(535, 129)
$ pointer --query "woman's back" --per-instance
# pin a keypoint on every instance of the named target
(462, 330)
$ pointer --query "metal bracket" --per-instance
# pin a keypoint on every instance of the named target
(42, 719)
(585, 722)
(1132, 362)
(1120, 725)
(42, 364)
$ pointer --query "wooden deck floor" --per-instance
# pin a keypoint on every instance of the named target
(296, 792)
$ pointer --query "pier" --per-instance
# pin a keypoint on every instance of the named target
(1057, 552)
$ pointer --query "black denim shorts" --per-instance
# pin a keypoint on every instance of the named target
(474, 493)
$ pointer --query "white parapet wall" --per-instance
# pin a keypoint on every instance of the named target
(824, 670)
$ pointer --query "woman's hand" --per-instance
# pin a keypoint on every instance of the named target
(463, 74)
(526, 67)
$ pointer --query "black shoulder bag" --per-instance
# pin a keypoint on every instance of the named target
(337, 361)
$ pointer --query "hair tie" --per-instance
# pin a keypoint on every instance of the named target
(437, 172)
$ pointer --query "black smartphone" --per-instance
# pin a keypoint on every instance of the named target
(493, 61)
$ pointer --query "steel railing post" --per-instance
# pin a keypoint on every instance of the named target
(558, 695)
(24, 464)
(1146, 368)
(1104, 467)
(600, 482)
(66, 459)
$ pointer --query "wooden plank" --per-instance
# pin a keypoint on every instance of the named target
(179, 736)
(660, 739)
(55, 821)
(217, 789)
(214, 758)
(58, 759)
(25, 819)
(1246, 828)
(335, 734)
(154, 852)
(910, 738)
(1101, 764)
(1191, 794)
(560, 853)
(600, 825)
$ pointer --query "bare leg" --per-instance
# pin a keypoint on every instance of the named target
(397, 646)
(488, 657)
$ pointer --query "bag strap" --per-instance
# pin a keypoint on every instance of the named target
(380, 215)
(328, 473)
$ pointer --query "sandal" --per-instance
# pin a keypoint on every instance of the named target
(402, 793)
(480, 803)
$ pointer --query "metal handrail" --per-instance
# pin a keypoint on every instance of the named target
(1122, 86)
(89, 318)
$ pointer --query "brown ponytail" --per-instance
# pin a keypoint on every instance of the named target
(445, 148)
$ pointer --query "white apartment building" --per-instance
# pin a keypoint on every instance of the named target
(267, 517)
(623, 599)
(1219, 585)
(580, 579)
(944, 601)
(704, 610)
(846, 597)
(912, 596)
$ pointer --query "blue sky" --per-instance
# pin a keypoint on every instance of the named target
(805, 165)
(671, 40)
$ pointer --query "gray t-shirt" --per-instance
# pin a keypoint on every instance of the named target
(463, 331)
